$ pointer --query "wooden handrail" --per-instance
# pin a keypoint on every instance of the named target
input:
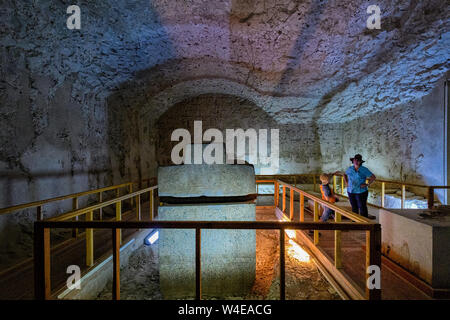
(88, 211)
(65, 197)
(344, 212)
(373, 237)
(42, 244)
(339, 175)
(265, 225)
(78, 212)
(40, 203)
(403, 185)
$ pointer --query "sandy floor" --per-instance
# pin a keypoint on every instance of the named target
(140, 279)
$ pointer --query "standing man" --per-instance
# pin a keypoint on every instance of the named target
(355, 178)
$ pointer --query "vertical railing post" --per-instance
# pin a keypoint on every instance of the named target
(138, 207)
(75, 203)
(373, 258)
(337, 243)
(302, 207)
(403, 196)
(151, 205)
(342, 185)
(75, 207)
(198, 266)
(276, 193)
(383, 193)
(39, 215)
(334, 184)
(282, 266)
(130, 190)
(316, 219)
(284, 199)
(119, 217)
(291, 205)
(89, 241)
(42, 284)
(116, 264)
(430, 198)
(100, 211)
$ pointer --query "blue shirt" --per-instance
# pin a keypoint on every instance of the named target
(356, 178)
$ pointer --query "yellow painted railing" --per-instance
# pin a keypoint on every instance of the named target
(42, 267)
(373, 234)
(88, 212)
(42, 230)
(127, 186)
(338, 180)
(74, 197)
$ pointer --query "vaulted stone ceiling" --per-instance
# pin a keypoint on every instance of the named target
(300, 61)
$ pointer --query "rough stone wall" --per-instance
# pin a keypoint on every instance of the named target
(64, 128)
(405, 143)
(81, 104)
(65, 118)
(303, 147)
(302, 59)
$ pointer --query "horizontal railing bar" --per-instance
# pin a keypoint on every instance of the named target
(346, 213)
(288, 175)
(408, 184)
(206, 225)
(69, 196)
(74, 213)
(437, 187)
(79, 194)
(377, 180)
(395, 182)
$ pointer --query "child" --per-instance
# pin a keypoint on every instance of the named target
(328, 195)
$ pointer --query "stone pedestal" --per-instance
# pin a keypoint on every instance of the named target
(203, 180)
(228, 257)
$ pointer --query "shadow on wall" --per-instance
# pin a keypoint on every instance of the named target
(216, 111)
(306, 34)
(19, 182)
(128, 140)
(298, 150)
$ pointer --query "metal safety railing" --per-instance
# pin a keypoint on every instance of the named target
(372, 238)
(373, 231)
(42, 245)
(42, 236)
(75, 197)
(128, 186)
(338, 180)
(88, 212)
